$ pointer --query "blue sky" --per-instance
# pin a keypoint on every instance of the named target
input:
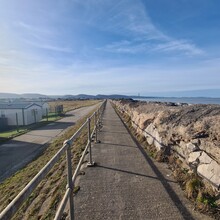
(110, 46)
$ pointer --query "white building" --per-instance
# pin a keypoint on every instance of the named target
(45, 108)
(21, 113)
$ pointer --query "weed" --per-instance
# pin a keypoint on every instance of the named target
(192, 187)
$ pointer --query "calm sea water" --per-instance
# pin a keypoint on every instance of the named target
(184, 100)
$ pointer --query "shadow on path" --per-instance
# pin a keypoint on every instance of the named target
(113, 132)
(132, 173)
(119, 145)
(172, 194)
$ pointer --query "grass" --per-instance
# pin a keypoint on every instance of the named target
(7, 135)
(44, 201)
(51, 117)
(74, 104)
(68, 105)
(12, 133)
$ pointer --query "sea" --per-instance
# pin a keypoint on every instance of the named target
(189, 100)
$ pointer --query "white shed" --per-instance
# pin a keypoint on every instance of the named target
(21, 113)
(45, 108)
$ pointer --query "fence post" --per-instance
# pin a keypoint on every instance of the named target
(17, 128)
(96, 129)
(47, 113)
(90, 163)
(100, 118)
(69, 180)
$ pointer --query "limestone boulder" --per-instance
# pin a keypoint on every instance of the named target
(153, 136)
(194, 156)
(190, 147)
(211, 172)
(205, 158)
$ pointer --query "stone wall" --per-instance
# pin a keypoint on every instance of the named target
(193, 146)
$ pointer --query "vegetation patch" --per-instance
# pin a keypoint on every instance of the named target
(73, 104)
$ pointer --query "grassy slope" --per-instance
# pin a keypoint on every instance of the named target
(71, 105)
(44, 200)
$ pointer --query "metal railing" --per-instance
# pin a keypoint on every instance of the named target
(122, 111)
(16, 203)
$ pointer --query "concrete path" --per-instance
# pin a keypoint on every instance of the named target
(126, 183)
(19, 151)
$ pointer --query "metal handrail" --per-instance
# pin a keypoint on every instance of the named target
(16, 203)
(175, 151)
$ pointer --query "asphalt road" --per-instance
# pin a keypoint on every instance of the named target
(19, 151)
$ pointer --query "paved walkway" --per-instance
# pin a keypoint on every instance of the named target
(19, 151)
(126, 184)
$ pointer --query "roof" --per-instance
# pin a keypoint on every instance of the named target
(17, 105)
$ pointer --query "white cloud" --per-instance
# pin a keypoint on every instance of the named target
(128, 79)
(50, 47)
(179, 45)
(33, 28)
(131, 19)
(125, 47)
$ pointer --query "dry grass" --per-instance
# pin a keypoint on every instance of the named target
(45, 199)
(74, 104)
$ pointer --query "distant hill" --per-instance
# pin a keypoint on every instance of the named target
(9, 96)
(25, 95)
(85, 96)
(112, 96)
(79, 96)
(33, 96)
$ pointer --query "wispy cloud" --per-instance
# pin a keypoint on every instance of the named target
(39, 36)
(179, 45)
(133, 21)
(50, 47)
(125, 47)
(33, 28)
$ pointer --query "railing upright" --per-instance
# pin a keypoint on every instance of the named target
(90, 163)
(96, 129)
(69, 180)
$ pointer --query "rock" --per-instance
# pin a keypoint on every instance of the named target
(153, 137)
(194, 156)
(211, 148)
(191, 147)
(179, 150)
(196, 142)
(192, 131)
(149, 131)
(211, 172)
(205, 158)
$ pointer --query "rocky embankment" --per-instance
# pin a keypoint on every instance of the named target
(191, 132)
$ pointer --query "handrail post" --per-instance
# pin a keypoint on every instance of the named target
(96, 130)
(98, 118)
(90, 163)
(69, 180)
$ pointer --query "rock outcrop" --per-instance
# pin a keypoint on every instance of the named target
(192, 132)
